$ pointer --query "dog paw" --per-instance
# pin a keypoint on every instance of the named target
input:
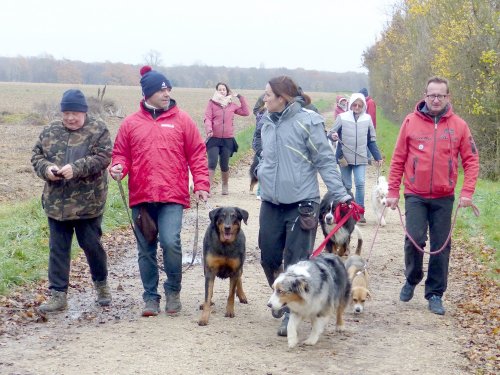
(202, 322)
(243, 300)
(292, 343)
(339, 328)
(229, 314)
(310, 341)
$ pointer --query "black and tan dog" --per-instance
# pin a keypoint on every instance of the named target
(339, 242)
(223, 257)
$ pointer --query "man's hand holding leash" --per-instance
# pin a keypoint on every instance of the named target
(202, 195)
(392, 203)
(116, 172)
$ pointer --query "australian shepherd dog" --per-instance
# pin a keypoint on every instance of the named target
(314, 289)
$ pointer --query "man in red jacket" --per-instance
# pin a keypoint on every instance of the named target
(426, 154)
(154, 147)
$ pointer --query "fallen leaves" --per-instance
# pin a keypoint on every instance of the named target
(478, 303)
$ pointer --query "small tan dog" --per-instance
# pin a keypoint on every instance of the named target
(358, 275)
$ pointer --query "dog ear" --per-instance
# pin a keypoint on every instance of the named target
(242, 214)
(300, 286)
(368, 294)
(214, 214)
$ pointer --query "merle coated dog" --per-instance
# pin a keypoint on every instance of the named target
(339, 242)
(223, 257)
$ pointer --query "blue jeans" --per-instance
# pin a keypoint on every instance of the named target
(359, 181)
(168, 218)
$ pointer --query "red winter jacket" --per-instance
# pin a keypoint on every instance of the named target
(371, 109)
(219, 120)
(156, 154)
(427, 155)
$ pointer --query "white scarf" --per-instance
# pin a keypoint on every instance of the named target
(224, 101)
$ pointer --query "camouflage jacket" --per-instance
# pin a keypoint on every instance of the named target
(88, 150)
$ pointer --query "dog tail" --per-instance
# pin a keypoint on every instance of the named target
(360, 240)
(251, 172)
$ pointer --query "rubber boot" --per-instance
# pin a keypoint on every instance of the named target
(173, 304)
(57, 302)
(225, 183)
(211, 174)
(103, 293)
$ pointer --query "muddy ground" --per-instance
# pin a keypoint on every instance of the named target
(390, 337)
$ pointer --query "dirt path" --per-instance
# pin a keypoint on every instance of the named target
(390, 337)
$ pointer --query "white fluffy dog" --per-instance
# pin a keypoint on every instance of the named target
(379, 199)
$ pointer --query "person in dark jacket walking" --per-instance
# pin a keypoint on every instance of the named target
(155, 146)
(72, 155)
(426, 158)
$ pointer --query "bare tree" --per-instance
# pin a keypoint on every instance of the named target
(153, 59)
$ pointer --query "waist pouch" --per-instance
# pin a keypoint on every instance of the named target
(308, 218)
(146, 224)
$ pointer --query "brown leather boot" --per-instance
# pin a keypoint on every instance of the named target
(211, 174)
(225, 183)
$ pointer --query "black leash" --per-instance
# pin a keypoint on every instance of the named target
(195, 242)
(124, 199)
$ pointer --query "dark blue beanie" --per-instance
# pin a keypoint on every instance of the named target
(74, 101)
(152, 81)
(364, 91)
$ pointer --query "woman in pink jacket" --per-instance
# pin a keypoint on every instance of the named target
(218, 121)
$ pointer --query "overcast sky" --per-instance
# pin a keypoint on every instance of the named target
(328, 35)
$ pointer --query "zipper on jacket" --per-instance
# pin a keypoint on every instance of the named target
(356, 144)
(223, 117)
(63, 198)
(433, 153)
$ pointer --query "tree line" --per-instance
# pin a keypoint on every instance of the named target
(46, 69)
(456, 39)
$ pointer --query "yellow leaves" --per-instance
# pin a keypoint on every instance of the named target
(489, 57)
(418, 7)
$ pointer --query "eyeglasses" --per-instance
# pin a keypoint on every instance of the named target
(438, 97)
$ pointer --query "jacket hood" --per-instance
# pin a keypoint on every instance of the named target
(355, 97)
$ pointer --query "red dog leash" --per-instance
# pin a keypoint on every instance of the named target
(351, 209)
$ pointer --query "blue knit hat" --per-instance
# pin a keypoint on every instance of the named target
(74, 101)
(364, 91)
(152, 81)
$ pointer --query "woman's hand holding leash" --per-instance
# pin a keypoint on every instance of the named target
(202, 195)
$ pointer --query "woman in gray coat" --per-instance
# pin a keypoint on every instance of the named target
(294, 150)
(355, 130)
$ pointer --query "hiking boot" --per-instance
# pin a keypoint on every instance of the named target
(56, 302)
(436, 305)
(103, 293)
(406, 293)
(225, 183)
(362, 219)
(152, 308)
(173, 304)
(283, 329)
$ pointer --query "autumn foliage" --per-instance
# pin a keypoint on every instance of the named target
(455, 39)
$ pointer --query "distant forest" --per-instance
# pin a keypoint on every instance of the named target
(46, 69)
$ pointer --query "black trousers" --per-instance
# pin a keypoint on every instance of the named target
(434, 214)
(282, 241)
(88, 233)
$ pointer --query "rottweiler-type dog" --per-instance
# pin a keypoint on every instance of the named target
(223, 256)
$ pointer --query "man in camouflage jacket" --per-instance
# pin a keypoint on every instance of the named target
(72, 156)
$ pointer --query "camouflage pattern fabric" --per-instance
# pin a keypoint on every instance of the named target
(88, 150)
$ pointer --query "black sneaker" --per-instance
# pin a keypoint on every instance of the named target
(406, 293)
(362, 219)
(283, 329)
(436, 305)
